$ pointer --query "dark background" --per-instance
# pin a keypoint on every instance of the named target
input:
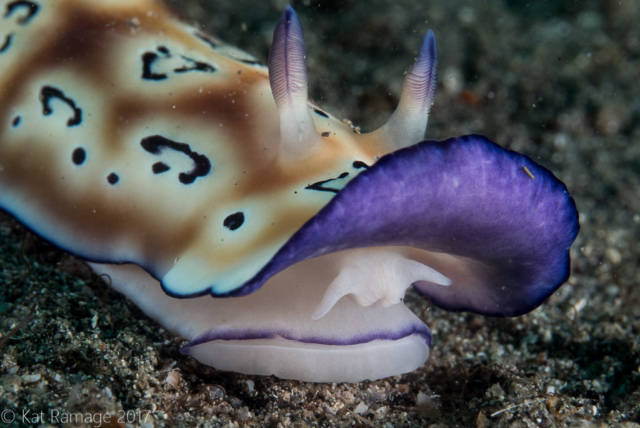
(557, 81)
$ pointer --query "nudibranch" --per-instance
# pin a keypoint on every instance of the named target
(245, 218)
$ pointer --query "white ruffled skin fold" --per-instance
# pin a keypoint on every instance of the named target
(272, 331)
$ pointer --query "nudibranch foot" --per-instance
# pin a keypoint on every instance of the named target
(310, 362)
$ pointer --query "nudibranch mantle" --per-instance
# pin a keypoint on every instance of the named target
(245, 218)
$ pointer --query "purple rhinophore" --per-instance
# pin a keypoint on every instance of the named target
(422, 78)
(287, 63)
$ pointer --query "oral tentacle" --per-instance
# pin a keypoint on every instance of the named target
(376, 276)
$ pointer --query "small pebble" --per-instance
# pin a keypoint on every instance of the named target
(173, 378)
(244, 414)
(360, 408)
(31, 378)
(11, 383)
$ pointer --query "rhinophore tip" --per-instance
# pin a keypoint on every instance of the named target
(288, 79)
(408, 123)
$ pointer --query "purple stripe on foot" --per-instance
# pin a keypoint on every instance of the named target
(250, 334)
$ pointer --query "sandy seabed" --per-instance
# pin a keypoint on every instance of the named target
(557, 81)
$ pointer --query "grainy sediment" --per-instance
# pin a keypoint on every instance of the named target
(555, 80)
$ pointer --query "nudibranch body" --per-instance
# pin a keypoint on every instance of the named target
(247, 220)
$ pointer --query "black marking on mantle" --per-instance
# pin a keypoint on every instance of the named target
(113, 178)
(160, 167)
(319, 185)
(359, 164)
(49, 92)
(155, 144)
(78, 156)
(195, 66)
(32, 9)
(151, 58)
(16, 121)
(320, 112)
(234, 221)
(148, 58)
(7, 43)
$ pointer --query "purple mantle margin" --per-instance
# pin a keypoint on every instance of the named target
(465, 196)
